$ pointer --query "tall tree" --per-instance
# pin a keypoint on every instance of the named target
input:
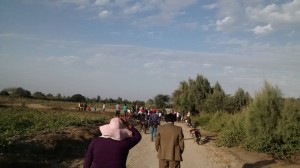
(241, 99)
(161, 101)
(78, 98)
(215, 101)
(200, 89)
(39, 95)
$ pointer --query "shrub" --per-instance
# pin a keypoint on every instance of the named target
(273, 124)
(234, 133)
(219, 121)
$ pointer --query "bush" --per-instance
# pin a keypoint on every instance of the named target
(218, 121)
(272, 124)
(234, 133)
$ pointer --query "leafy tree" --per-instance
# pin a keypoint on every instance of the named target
(4, 93)
(39, 95)
(215, 101)
(241, 99)
(119, 100)
(263, 116)
(288, 129)
(77, 98)
(179, 97)
(50, 96)
(150, 103)
(20, 92)
(98, 98)
(199, 90)
(58, 96)
(161, 101)
(229, 105)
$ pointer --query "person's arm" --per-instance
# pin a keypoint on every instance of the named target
(136, 136)
(181, 141)
(89, 156)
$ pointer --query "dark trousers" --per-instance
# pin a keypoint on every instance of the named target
(117, 113)
(169, 163)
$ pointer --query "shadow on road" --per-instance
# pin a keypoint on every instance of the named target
(259, 164)
(204, 139)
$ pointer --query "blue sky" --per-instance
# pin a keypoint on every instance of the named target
(138, 49)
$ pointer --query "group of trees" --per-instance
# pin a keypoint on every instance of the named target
(23, 93)
(198, 95)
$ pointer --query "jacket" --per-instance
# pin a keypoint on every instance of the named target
(169, 142)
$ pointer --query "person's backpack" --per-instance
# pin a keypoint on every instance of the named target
(155, 124)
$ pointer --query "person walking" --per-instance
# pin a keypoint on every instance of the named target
(118, 110)
(169, 143)
(153, 124)
(178, 116)
(111, 149)
(125, 110)
(103, 107)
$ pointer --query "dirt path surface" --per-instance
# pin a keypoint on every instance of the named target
(143, 155)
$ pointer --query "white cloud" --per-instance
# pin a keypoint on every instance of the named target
(81, 4)
(260, 30)
(228, 69)
(210, 6)
(164, 12)
(133, 9)
(224, 23)
(104, 14)
(279, 15)
(207, 65)
(101, 2)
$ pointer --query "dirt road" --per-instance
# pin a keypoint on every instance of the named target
(144, 154)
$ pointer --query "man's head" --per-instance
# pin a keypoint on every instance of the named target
(170, 117)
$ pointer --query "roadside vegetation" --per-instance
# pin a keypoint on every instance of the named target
(267, 123)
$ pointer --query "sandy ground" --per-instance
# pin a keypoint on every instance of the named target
(144, 154)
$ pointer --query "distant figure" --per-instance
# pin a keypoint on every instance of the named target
(153, 124)
(178, 116)
(169, 143)
(84, 106)
(103, 107)
(125, 110)
(112, 147)
(118, 110)
(188, 114)
(80, 106)
(159, 115)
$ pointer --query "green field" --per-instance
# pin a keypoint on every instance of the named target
(46, 135)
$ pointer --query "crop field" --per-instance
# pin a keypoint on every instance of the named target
(35, 133)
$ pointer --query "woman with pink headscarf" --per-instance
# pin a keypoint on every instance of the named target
(111, 149)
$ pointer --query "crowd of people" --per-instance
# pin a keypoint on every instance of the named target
(119, 136)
